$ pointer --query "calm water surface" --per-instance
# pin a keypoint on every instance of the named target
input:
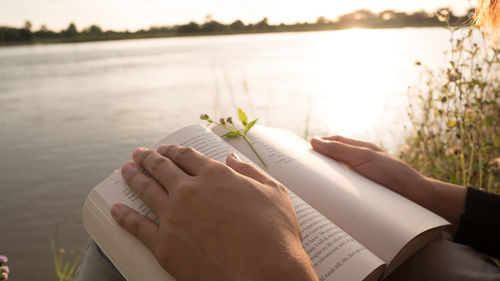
(71, 113)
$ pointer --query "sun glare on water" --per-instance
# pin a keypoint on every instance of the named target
(350, 63)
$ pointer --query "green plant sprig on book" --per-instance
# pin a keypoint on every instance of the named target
(233, 131)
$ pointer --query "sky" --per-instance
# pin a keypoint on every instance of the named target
(136, 14)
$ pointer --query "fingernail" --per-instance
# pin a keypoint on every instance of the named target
(137, 152)
(161, 148)
(316, 140)
(129, 168)
(235, 156)
(116, 211)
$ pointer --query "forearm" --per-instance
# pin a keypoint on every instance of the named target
(444, 199)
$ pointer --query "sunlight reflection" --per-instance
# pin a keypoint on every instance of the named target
(361, 88)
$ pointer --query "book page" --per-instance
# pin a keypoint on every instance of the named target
(335, 254)
(377, 217)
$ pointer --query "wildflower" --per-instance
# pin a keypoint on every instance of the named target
(3, 259)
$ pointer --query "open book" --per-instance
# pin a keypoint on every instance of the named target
(352, 228)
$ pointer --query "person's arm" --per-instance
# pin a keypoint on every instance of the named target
(216, 222)
(474, 214)
(445, 199)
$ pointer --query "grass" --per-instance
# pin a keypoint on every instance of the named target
(65, 262)
(65, 267)
(454, 134)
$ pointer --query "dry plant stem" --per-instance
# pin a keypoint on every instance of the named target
(455, 116)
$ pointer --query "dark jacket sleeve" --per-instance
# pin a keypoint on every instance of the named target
(479, 226)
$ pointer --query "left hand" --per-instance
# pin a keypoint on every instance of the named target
(216, 222)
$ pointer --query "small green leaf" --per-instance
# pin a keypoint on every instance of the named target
(232, 134)
(242, 116)
(250, 125)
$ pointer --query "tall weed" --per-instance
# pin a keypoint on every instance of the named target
(454, 132)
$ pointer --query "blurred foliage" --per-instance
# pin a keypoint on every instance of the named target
(65, 267)
(65, 262)
(455, 115)
(356, 19)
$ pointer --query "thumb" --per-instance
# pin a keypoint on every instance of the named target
(348, 154)
(246, 169)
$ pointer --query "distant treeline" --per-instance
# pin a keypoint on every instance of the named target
(357, 19)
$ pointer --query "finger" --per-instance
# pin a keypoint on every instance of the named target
(136, 224)
(161, 168)
(351, 155)
(148, 189)
(353, 142)
(187, 158)
(246, 169)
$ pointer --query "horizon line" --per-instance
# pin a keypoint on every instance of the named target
(209, 16)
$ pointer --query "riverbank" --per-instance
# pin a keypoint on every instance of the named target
(132, 36)
(10, 36)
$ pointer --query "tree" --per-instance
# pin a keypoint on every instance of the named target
(322, 20)
(188, 28)
(44, 33)
(71, 30)
(212, 26)
(28, 25)
(94, 29)
(237, 25)
(262, 25)
(387, 15)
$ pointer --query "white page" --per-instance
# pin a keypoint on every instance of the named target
(378, 218)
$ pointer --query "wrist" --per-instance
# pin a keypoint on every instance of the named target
(446, 200)
(293, 266)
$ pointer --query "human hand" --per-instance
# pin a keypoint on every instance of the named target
(372, 162)
(216, 222)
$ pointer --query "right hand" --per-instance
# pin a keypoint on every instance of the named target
(372, 162)
(216, 222)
